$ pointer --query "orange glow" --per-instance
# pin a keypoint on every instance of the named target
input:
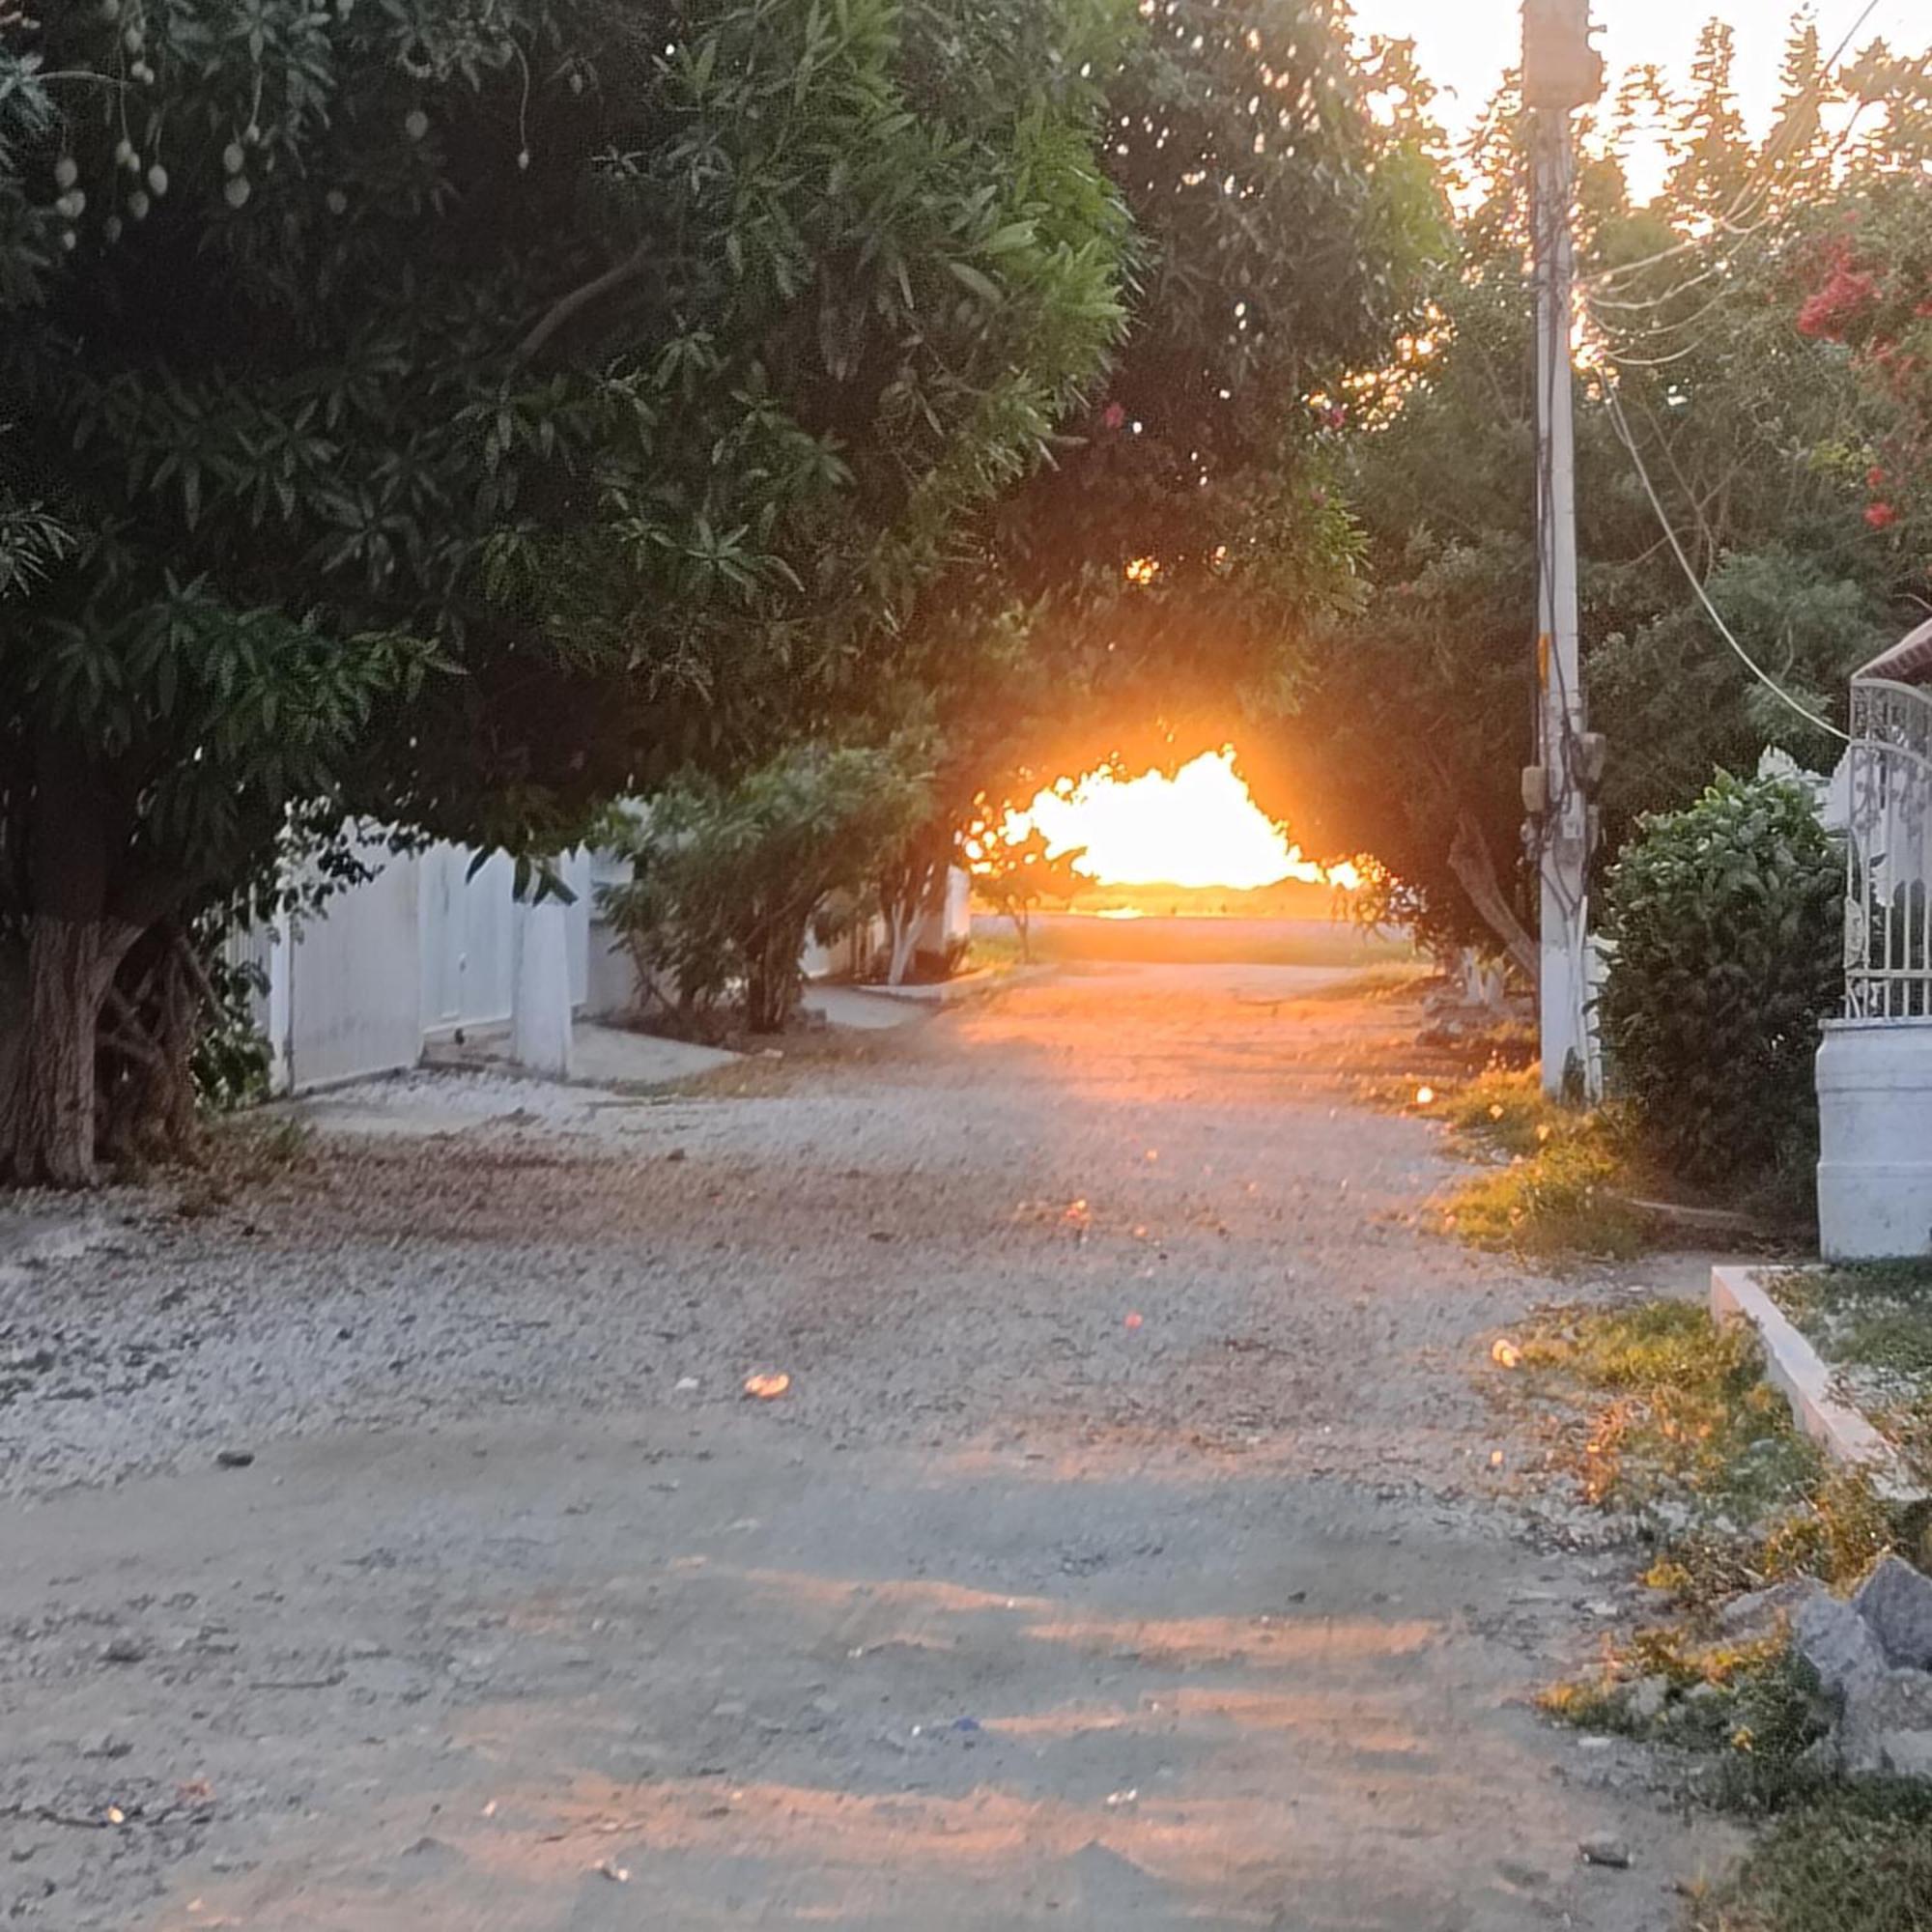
(1199, 828)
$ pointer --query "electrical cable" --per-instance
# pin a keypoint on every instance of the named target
(1773, 153)
(1621, 423)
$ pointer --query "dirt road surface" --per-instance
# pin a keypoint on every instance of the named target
(1125, 1553)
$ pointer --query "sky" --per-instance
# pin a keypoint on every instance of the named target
(1465, 44)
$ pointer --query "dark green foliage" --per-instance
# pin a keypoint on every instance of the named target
(465, 413)
(729, 879)
(232, 1056)
(1417, 714)
(1280, 233)
(1728, 921)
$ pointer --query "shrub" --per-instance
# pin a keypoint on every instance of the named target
(727, 880)
(1728, 923)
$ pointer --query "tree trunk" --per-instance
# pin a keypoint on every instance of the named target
(147, 1107)
(904, 921)
(77, 935)
(46, 1115)
(1476, 873)
(772, 979)
(906, 909)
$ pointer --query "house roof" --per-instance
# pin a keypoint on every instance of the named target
(1907, 662)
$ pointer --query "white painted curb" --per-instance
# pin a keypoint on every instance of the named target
(1793, 1366)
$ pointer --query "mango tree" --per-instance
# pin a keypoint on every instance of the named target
(461, 414)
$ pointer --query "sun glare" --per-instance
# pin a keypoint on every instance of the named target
(1198, 828)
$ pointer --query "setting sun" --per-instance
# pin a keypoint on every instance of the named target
(1198, 828)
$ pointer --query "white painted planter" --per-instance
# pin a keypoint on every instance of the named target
(540, 1006)
(1875, 1140)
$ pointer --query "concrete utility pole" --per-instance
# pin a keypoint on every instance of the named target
(1561, 72)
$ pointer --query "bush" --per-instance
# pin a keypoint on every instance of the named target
(1728, 923)
(727, 880)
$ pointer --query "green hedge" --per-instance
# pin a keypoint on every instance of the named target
(1728, 923)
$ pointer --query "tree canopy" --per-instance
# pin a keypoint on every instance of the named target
(1717, 355)
(461, 414)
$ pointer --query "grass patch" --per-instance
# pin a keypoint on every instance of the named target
(1562, 1190)
(1669, 1407)
(1208, 939)
(1505, 1111)
(1855, 1859)
(1669, 1416)
(1000, 947)
(1566, 1200)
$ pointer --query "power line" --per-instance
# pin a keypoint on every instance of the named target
(1753, 190)
(1621, 423)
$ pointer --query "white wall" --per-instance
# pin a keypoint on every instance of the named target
(353, 991)
(409, 956)
(466, 937)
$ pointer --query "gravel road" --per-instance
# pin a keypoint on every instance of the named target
(1129, 1549)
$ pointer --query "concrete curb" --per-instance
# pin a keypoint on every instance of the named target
(966, 986)
(1807, 1384)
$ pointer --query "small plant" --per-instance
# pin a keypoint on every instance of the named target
(1015, 876)
(1675, 1407)
(1755, 1708)
(1564, 1200)
(1728, 925)
(1505, 1109)
(1857, 1859)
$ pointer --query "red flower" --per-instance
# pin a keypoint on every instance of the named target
(1112, 417)
(1881, 516)
(1874, 478)
(1831, 311)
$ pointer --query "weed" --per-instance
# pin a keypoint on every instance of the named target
(1857, 1859)
(1566, 1200)
(1752, 1710)
(1674, 1423)
(1564, 1188)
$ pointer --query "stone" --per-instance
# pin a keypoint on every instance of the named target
(1896, 1602)
(233, 1458)
(124, 1650)
(1758, 1612)
(1887, 1729)
(1838, 1644)
(1604, 1848)
(1648, 1696)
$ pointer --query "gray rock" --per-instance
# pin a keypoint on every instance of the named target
(1758, 1612)
(1604, 1848)
(1896, 1600)
(1838, 1644)
(1648, 1696)
(1888, 1724)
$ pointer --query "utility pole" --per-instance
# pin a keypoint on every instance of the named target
(1561, 72)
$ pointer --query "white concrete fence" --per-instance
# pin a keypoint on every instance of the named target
(429, 947)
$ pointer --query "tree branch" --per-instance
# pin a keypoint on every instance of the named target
(565, 306)
(1476, 873)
